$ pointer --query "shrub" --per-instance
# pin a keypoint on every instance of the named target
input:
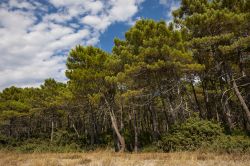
(4, 140)
(63, 138)
(26, 148)
(191, 135)
(231, 144)
(106, 139)
(7, 141)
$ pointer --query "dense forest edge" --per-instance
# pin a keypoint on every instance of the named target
(178, 86)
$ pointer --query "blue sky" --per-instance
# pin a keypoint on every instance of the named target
(36, 35)
(149, 9)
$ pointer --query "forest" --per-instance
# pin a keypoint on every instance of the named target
(177, 86)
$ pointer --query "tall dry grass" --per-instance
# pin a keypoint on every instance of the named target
(107, 158)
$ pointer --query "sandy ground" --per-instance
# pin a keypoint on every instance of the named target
(104, 158)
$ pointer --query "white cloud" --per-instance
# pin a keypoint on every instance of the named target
(170, 5)
(21, 4)
(99, 23)
(35, 35)
(123, 10)
(164, 2)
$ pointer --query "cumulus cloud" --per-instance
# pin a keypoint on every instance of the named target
(171, 5)
(36, 35)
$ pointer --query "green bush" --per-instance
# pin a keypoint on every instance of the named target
(191, 135)
(231, 144)
(42, 145)
(63, 138)
(27, 147)
(6, 142)
(106, 139)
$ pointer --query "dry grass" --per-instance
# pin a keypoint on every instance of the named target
(107, 158)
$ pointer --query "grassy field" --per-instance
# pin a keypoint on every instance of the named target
(104, 158)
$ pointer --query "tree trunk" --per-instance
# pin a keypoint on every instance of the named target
(196, 100)
(155, 123)
(76, 130)
(242, 101)
(120, 137)
(92, 127)
(115, 126)
(172, 111)
(206, 98)
(10, 127)
(52, 131)
(227, 115)
(135, 131)
(68, 121)
(116, 141)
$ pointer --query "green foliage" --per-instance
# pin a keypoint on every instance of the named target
(106, 139)
(64, 138)
(7, 141)
(38, 145)
(86, 70)
(231, 144)
(191, 135)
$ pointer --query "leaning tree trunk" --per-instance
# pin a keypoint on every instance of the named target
(242, 102)
(115, 126)
(76, 130)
